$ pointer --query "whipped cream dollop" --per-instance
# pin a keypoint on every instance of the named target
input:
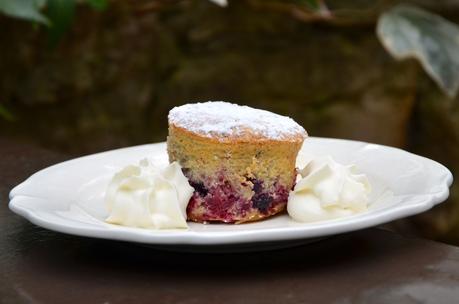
(147, 196)
(328, 190)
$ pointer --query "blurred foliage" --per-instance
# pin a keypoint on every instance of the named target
(6, 114)
(98, 4)
(405, 31)
(315, 5)
(61, 14)
(24, 9)
(57, 15)
(220, 2)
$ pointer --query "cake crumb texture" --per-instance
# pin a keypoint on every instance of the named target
(239, 160)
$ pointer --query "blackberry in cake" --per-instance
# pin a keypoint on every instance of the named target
(240, 160)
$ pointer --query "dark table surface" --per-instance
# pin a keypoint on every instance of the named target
(369, 266)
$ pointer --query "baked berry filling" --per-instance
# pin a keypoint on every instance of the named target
(218, 200)
(199, 188)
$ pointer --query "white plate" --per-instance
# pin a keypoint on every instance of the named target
(68, 197)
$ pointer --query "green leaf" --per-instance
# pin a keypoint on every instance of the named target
(5, 114)
(98, 4)
(61, 14)
(24, 9)
(410, 32)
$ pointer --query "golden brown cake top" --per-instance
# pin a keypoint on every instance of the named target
(228, 121)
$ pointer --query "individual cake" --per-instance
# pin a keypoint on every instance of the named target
(240, 160)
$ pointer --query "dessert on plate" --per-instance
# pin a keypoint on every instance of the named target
(239, 160)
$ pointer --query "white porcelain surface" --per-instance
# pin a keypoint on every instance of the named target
(68, 197)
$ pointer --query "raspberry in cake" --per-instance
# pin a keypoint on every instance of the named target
(240, 160)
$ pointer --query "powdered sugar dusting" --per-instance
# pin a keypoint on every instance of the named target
(223, 119)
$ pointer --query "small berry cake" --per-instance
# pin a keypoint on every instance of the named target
(240, 160)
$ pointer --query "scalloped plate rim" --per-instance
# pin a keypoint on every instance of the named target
(187, 237)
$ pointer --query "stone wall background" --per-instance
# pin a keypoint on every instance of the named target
(115, 75)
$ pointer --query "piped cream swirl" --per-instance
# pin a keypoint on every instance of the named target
(328, 190)
(147, 196)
